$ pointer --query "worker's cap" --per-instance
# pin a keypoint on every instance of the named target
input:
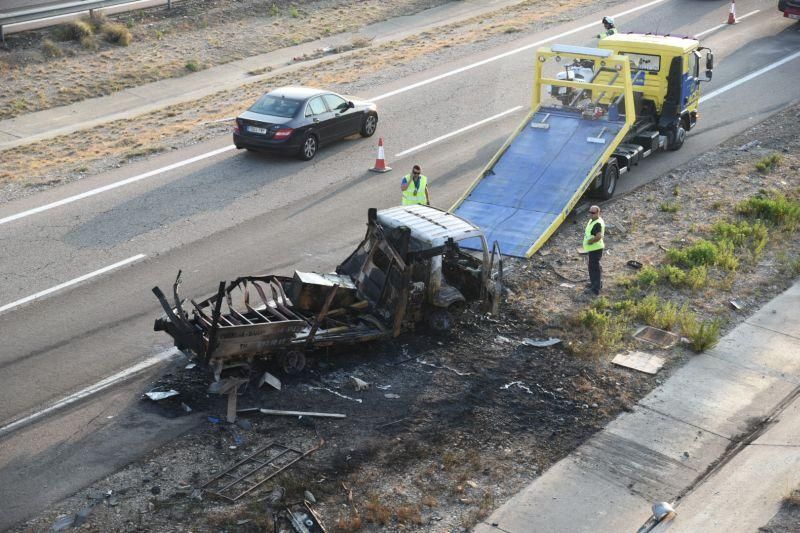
(608, 21)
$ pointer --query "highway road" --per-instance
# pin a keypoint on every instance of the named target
(241, 213)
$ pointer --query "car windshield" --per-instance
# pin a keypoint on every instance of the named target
(276, 106)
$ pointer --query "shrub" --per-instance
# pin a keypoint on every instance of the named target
(625, 306)
(647, 309)
(89, 42)
(775, 209)
(669, 207)
(703, 335)
(96, 21)
(192, 65)
(702, 252)
(607, 330)
(647, 277)
(50, 49)
(755, 236)
(74, 30)
(600, 304)
(673, 274)
(667, 315)
(117, 34)
(725, 256)
(294, 13)
(697, 277)
(766, 164)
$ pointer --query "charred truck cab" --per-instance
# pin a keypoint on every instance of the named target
(408, 270)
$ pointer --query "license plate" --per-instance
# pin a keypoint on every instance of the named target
(256, 129)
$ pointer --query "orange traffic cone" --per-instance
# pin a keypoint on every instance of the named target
(732, 13)
(380, 163)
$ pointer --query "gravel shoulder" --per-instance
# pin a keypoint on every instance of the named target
(452, 426)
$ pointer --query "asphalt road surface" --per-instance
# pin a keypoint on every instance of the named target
(241, 213)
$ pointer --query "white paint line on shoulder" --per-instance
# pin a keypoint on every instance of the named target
(66, 284)
(462, 130)
(506, 54)
(718, 26)
(745, 79)
(114, 185)
(92, 389)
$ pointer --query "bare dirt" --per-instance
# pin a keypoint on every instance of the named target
(452, 426)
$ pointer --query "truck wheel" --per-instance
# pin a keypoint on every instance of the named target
(675, 138)
(610, 177)
(440, 321)
(293, 362)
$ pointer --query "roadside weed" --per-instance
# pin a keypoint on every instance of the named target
(117, 34)
(703, 335)
(74, 30)
(766, 164)
(670, 207)
(647, 309)
(667, 315)
(774, 208)
(50, 49)
(673, 274)
(647, 277)
(192, 65)
(697, 277)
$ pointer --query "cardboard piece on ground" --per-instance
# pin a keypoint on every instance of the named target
(641, 361)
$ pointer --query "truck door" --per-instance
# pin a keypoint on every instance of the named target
(691, 81)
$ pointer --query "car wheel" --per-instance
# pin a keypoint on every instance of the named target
(370, 125)
(309, 148)
(610, 177)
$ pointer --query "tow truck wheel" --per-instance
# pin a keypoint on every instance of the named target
(610, 177)
(293, 362)
(675, 138)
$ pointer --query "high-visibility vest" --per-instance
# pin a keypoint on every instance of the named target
(587, 234)
(415, 195)
(608, 33)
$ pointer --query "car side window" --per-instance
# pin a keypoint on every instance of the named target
(315, 107)
(335, 103)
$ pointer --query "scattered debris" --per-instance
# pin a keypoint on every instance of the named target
(359, 400)
(301, 413)
(299, 517)
(230, 387)
(359, 384)
(633, 263)
(251, 472)
(567, 285)
(63, 523)
(658, 337)
(391, 396)
(269, 379)
(244, 424)
(517, 384)
(540, 343)
(160, 395)
(276, 495)
(309, 496)
(190, 366)
(459, 373)
(641, 361)
(499, 338)
(186, 408)
(383, 387)
(736, 305)
(746, 146)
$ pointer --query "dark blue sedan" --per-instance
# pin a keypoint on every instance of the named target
(298, 120)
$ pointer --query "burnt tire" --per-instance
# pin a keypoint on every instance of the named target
(440, 321)
(369, 125)
(309, 147)
(293, 362)
(609, 182)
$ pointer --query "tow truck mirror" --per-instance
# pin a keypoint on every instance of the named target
(708, 74)
(709, 62)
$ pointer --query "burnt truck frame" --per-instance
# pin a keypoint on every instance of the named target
(408, 270)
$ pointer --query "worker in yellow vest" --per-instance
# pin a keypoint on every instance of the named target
(611, 29)
(415, 188)
(593, 245)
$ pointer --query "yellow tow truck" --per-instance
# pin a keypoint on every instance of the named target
(595, 113)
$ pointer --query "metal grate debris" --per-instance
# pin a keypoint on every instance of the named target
(657, 337)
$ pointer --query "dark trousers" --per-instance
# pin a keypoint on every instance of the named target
(595, 270)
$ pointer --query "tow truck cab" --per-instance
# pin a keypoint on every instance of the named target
(666, 72)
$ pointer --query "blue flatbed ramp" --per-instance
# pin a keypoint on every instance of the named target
(526, 194)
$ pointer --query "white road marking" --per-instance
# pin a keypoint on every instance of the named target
(749, 77)
(92, 389)
(506, 54)
(115, 185)
(718, 26)
(462, 130)
(70, 282)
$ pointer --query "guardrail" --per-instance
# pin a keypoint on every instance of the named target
(68, 8)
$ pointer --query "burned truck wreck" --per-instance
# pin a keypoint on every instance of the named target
(409, 270)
